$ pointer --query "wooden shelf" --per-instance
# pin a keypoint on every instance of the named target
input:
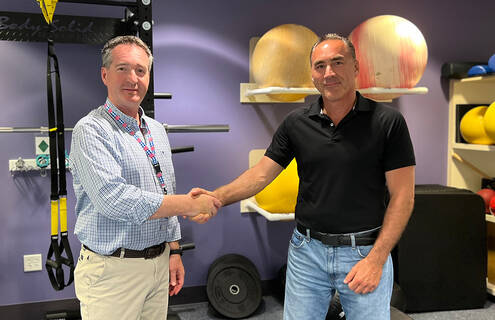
(490, 288)
(474, 147)
(250, 205)
(250, 93)
(487, 78)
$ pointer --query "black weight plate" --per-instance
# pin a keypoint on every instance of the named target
(233, 292)
(234, 286)
(233, 258)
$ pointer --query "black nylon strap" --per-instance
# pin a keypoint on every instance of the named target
(54, 267)
(60, 120)
(58, 179)
(69, 261)
(52, 134)
(56, 279)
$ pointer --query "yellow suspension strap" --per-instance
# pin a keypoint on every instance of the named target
(58, 195)
(48, 9)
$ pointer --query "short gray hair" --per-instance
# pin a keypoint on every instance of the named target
(106, 52)
(333, 36)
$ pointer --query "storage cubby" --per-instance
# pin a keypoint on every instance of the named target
(464, 95)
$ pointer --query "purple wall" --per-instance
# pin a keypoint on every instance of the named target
(201, 51)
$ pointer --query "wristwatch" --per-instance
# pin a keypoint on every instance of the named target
(176, 251)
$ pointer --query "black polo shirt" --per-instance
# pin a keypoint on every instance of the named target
(342, 168)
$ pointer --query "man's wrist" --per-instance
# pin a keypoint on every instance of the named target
(377, 256)
(174, 245)
(175, 248)
(219, 196)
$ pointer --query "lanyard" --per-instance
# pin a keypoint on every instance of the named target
(150, 151)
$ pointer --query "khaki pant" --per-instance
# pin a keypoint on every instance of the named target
(123, 289)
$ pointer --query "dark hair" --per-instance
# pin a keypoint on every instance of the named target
(106, 57)
(334, 36)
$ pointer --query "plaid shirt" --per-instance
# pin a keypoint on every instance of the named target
(116, 186)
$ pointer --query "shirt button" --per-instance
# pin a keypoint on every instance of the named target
(331, 124)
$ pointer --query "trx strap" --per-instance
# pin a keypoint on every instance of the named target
(58, 195)
(48, 9)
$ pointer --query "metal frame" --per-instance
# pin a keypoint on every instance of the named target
(142, 11)
(104, 2)
(138, 21)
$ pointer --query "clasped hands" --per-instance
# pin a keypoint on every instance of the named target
(205, 205)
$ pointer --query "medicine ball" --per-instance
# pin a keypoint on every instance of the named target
(472, 126)
(281, 59)
(487, 195)
(489, 118)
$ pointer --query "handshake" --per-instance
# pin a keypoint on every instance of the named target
(204, 205)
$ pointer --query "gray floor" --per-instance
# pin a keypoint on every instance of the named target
(487, 313)
(271, 309)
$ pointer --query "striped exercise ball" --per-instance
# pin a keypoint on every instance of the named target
(392, 53)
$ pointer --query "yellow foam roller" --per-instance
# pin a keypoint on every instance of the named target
(472, 126)
(280, 196)
(489, 121)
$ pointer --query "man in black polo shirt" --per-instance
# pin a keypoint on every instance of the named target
(348, 150)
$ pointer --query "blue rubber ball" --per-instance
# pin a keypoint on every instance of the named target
(491, 63)
(478, 70)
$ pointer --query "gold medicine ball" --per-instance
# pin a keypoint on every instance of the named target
(281, 59)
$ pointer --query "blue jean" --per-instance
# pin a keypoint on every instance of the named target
(316, 271)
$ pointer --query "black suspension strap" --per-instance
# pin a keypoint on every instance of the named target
(58, 195)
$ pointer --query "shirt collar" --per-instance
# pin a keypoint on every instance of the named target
(127, 119)
(361, 104)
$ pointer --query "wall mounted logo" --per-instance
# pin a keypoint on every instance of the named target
(20, 26)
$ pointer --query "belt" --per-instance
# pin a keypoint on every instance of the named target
(337, 240)
(147, 253)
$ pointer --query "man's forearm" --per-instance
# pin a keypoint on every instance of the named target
(243, 187)
(250, 182)
(186, 205)
(395, 221)
(173, 205)
(400, 184)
